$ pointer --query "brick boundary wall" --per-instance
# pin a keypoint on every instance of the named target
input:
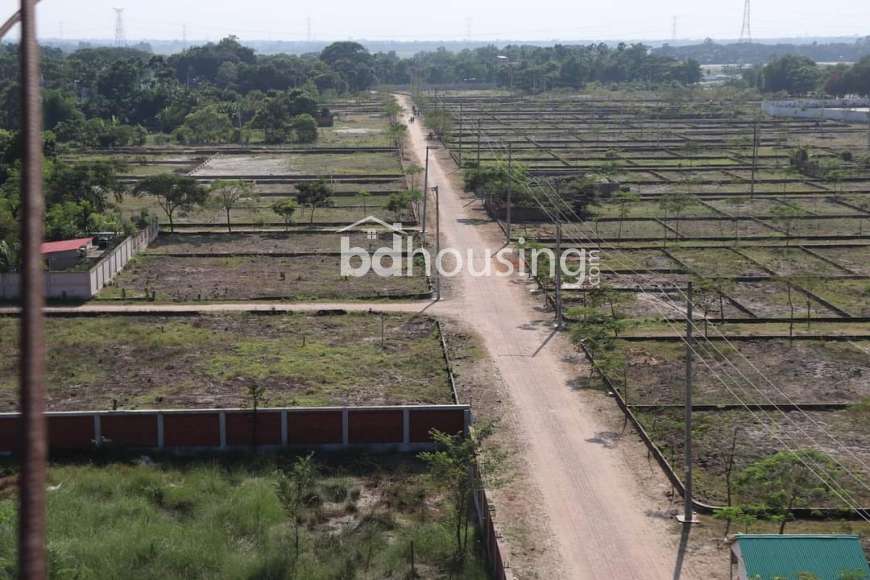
(402, 428)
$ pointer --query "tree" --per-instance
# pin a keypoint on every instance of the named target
(675, 203)
(314, 194)
(397, 133)
(785, 213)
(624, 198)
(364, 195)
(454, 467)
(173, 193)
(207, 124)
(295, 490)
(304, 128)
(773, 486)
(229, 194)
(286, 208)
(352, 62)
(793, 74)
(399, 203)
(413, 171)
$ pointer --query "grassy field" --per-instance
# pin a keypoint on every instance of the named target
(212, 361)
(223, 519)
(714, 431)
(245, 278)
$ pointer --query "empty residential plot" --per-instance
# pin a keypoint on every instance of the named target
(254, 243)
(257, 211)
(804, 371)
(755, 436)
(258, 277)
(212, 361)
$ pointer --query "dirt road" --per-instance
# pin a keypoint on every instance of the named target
(596, 510)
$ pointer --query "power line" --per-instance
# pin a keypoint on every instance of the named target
(831, 482)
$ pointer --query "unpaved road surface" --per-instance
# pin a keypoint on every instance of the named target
(597, 511)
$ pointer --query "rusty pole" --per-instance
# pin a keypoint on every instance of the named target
(31, 523)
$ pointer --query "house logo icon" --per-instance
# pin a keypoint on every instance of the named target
(372, 227)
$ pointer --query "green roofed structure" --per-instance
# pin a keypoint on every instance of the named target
(798, 557)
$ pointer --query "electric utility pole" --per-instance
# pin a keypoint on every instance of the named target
(558, 272)
(460, 135)
(510, 188)
(688, 509)
(32, 425)
(425, 194)
(437, 241)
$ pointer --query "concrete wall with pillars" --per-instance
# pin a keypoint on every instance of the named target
(405, 428)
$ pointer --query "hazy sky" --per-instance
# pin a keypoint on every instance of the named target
(448, 19)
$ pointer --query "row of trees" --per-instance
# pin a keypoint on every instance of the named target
(799, 75)
(541, 68)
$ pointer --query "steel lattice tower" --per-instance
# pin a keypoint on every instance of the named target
(746, 29)
(120, 38)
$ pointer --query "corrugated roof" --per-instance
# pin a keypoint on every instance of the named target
(827, 557)
(65, 245)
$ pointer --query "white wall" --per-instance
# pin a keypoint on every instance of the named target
(84, 285)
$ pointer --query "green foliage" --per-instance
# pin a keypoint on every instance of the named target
(174, 193)
(792, 74)
(229, 194)
(286, 208)
(304, 128)
(772, 486)
(493, 180)
(454, 467)
(208, 124)
(313, 195)
(294, 491)
(398, 204)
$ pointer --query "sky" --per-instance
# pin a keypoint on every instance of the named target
(447, 19)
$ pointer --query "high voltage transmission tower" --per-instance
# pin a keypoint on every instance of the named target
(746, 29)
(120, 38)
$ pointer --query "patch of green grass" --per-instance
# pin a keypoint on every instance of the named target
(208, 518)
(301, 360)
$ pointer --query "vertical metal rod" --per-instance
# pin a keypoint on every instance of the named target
(437, 241)
(558, 271)
(425, 194)
(31, 523)
(460, 135)
(754, 159)
(478, 143)
(510, 188)
(688, 507)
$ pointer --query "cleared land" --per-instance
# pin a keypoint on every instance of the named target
(771, 250)
(240, 278)
(212, 361)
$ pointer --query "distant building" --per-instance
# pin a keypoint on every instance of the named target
(820, 557)
(65, 254)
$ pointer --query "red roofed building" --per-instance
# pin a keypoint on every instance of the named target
(64, 254)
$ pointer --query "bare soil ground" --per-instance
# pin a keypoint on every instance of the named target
(806, 371)
(211, 361)
(183, 279)
(264, 243)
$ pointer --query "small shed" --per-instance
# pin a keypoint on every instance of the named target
(65, 254)
(798, 557)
